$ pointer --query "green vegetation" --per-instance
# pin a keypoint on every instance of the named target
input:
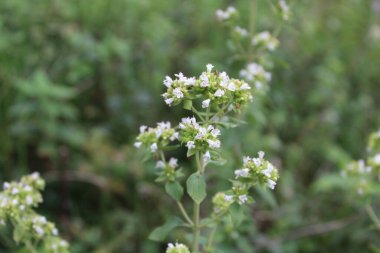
(78, 78)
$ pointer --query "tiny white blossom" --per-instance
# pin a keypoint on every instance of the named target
(153, 147)
(214, 144)
(6, 185)
(267, 172)
(15, 191)
(178, 93)
(245, 86)
(241, 31)
(242, 199)
(261, 154)
(143, 128)
(376, 159)
(29, 200)
(168, 81)
(241, 173)
(207, 157)
(204, 80)
(169, 101)
(206, 103)
(174, 136)
(219, 93)
(190, 145)
(215, 132)
(27, 188)
(228, 198)
(231, 86)
(209, 67)
(39, 230)
(271, 184)
(137, 144)
(173, 162)
(160, 164)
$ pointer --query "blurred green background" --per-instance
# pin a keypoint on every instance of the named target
(77, 78)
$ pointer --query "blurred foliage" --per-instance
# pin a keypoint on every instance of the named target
(78, 78)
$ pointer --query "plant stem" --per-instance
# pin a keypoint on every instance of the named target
(211, 238)
(252, 23)
(196, 228)
(371, 213)
(184, 213)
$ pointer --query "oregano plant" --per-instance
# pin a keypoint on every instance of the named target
(214, 98)
(31, 231)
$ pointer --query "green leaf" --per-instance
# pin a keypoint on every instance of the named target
(159, 234)
(174, 189)
(196, 187)
(187, 105)
(191, 152)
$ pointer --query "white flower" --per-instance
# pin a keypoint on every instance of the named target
(143, 128)
(228, 198)
(39, 230)
(177, 248)
(246, 159)
(361, 166)
(215, 132)
(214, 144)
(245, 86)
(241, 31)
(6, 185)
(173, 162)
(168, 81)
(206, 103)
(207, 157)
(27, 188)
(271, 184)
(241, 173)
(224, 15)
(376, 159)
(137, 144)
(169, 101)
(174, 136)
(29, 200)
(201, 133)
(153, 147)
(190, 81)
(284, 9)
(204, 80)
(15, 202)
(160, 164)
(209, 67)
(219, 93)
(178, 93)
(225, 79)
(190, 145)
(15, 191)
(261, 154)
(267, 172)
(242, 199)
(231, 86)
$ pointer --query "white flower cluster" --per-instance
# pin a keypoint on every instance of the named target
(155, 138)
(177, 89)
(256, 74)
(242, 32)
(17, 201)
(212, 87)
(284, 9)
(266, 40)
(17, 197)
(177, 248)
(199, 137)
(227, 14)
(258, 169)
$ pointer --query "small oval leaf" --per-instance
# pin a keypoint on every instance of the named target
(174, 189)
(196, 187)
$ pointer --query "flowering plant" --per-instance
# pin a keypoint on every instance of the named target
(30, 229)
(213, 97)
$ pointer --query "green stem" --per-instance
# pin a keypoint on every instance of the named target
(196, 228)
(252, 24)
(184, 213)
(211, 238)
(371, 213)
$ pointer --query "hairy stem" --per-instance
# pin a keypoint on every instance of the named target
(371, 213)
(211, 238)
(184, 213)
(196, 227)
